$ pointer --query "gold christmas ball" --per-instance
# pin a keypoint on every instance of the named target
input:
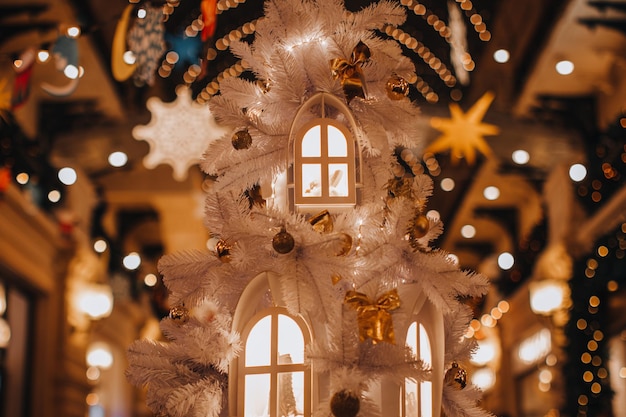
(419, 227)
(397, 88)
(241, 140)
(456, 376)
(222, 250)
(346, 244)
(283, 242)
(179, 314)
(322, 222)
(345, 403)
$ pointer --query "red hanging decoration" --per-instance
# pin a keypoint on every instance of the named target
(209, 18)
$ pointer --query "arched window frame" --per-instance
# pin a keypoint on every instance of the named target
(252, 307)
(343, 121)
(422, 348)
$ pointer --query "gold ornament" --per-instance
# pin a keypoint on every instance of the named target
(241, 140)
(400, 187)
(222, 250)
(397, 88)
(373, 318)
(418, 227)
(346, 244)
(335, 278)
(345, 403)
(283, 242)
(463, 133)
(179, 314)
(322, 222)
(350, 72)
(456, 376)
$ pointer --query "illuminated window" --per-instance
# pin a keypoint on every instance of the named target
(418, 396)
(273, 379)
(326, 158)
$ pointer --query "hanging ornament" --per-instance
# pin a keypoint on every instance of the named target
(346, 244)
(178, 133)
(146, 39)
(463, 133)
(209, 18)
(322, 222)
(373, 317)
(121, 69)
(345, 403)
(350, 72)
(222, 250)
(418, 227)
(397, 88)
(283, 242)
(241, 140)
(179, 314)
(456, 376)
(5, 179)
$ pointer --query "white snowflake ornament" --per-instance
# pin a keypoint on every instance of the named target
(178, 133)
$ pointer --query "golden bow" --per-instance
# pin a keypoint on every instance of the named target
(350, 72)
(374, 318)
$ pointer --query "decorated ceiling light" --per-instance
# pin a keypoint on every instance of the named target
(178, 132)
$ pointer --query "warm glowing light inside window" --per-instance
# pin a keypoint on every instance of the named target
(311, 146)
(564, 67)
(132, 261)
(311, 180)
(338, 178)
(520, 157)
(506, 261)
(468, 231)
(418, 397)
(118, 159)
(337, 144)
(54, 196)
(491, 193)
(99, 355)
(501, 56)
(274, 354)
(67, 175)
(577, 172)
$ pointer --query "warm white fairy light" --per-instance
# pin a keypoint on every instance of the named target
(520, 157)
(132, 261)
(501, 56)
(67, 175)
(564, 67)
(506, 261)
(100, 245)
(54, 196)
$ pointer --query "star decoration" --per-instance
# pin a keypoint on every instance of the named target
(463, 133)
(178, 133)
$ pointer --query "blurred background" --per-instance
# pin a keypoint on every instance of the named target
(89, 202)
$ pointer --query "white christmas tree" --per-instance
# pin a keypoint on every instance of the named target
(319, 221)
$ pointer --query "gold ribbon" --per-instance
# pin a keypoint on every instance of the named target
(373, 318)
(350, 72)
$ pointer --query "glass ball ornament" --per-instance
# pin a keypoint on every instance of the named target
(397, 88)
(456, 376)
(241, 140)
(418, 227)
(283, 242)
(345, 403)
(179, 314)
(222, 250)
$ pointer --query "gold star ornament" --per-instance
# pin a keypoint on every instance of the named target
(463, 132)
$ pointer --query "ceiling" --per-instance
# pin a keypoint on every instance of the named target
(551, 116)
